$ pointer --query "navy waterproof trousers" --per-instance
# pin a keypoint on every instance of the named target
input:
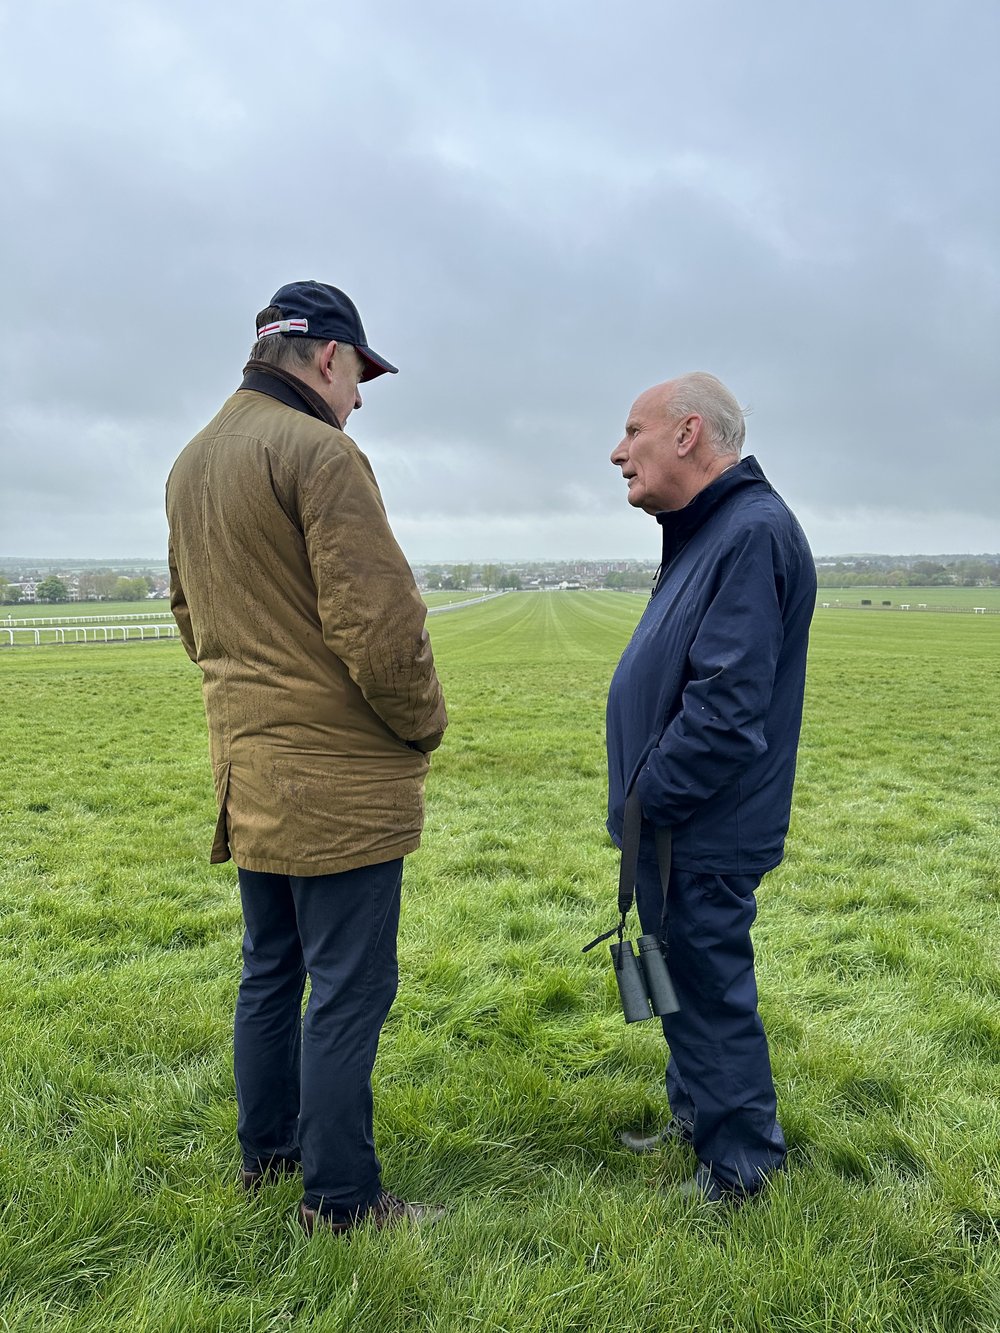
(719, 1070)
(303, 1088)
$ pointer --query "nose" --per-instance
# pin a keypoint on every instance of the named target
(619, 453)
(357, 398)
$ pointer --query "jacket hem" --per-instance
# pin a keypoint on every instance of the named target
(712, 866)
(704, 865)
(337, 865)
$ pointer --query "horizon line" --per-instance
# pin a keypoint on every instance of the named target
(512, 560)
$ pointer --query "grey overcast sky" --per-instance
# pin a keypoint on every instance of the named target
(541, 209)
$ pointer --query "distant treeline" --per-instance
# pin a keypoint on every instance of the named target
(875, 571)
(913, 572)
(863, 571)
(101, 587)
(534, 574)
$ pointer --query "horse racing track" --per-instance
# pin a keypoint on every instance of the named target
(505, 1070)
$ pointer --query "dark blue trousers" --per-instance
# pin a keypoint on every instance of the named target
(719, 1070)
(303, 1088)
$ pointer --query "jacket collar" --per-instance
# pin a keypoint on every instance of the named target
(679, 525)
(261, 377)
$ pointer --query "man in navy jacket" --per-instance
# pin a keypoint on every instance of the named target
(703, 721)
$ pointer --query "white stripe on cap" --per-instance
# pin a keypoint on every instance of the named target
(284, 326)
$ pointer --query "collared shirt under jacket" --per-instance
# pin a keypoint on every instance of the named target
(705, 706)
(300, 609)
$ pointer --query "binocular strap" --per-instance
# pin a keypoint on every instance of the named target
(631, 836)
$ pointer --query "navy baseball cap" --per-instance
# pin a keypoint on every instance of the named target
(316, 310)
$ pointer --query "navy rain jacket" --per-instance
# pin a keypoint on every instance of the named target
(706, 703)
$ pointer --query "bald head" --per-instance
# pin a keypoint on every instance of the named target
(679, 437)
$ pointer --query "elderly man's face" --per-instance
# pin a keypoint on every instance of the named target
(647, 454)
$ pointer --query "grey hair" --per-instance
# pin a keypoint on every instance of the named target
(705, 396)
(283, 349)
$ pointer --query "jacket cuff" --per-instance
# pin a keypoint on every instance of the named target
(427, 743)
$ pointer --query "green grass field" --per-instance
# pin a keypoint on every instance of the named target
(64, 613)
(931, 599)
(445, 597)
(505, 1069)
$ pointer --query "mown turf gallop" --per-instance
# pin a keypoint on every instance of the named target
(505, 1069)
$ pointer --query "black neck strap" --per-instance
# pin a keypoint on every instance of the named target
(631, 836)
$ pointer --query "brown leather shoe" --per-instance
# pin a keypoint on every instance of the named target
(251, 1178)
(386, 1211)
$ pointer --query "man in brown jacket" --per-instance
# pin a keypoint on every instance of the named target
(322, 701)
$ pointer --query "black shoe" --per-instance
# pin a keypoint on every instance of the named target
(387, 1211)
(252, 1177)
(704, 1188)
(674, 1131)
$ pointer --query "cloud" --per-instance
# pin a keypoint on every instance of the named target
(540, 211)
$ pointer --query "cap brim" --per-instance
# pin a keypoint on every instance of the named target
(375, 364)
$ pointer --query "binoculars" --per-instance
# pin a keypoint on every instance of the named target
(643, 983)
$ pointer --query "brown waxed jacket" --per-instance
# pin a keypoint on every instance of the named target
(295, 601)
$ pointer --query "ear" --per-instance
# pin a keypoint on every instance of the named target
(324, 355)
(688, 434)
